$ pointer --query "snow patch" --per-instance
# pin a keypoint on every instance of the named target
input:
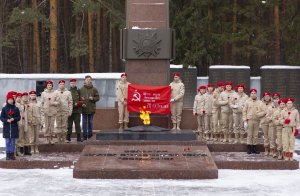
(229, 67)
(173, 66)
(62, 76)
(2, 140)
(279, 67)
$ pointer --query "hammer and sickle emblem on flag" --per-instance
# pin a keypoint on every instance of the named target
(136, 96)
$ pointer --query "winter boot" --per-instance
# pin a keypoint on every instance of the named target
(12, 156)
(266, 151)
(22, 151)
(249, 149)
(68, 138)
(200, 135)
(174, 126)
(254, 149)
(225, 140)
(126, 125)
(236, 138)
(79, 137)
(229, 136)
(48, 139)
(178, 126)
(279, 155)
(36, 149)
(8, 156)
(121, 127)
(291, 156)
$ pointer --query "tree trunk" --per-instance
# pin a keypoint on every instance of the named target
(1, 35)
(234, 30)
(66, 30)
(53, 36)
(77, 32)
(209, 15)
(91, 41)
(36, 43)
(98, 41)
(277, 35)
(114, 55)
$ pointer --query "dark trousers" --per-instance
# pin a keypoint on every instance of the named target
(75, 117)
(87, 125)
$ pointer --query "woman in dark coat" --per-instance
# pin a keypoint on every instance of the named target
(10, 115)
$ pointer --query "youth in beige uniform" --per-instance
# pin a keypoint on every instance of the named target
(278, 126)
(177, 88)
(34, 122)
(63, 111)
(122, 90)
(216, 111)
(237, 104)
(226, 112)
(253, 111)
(50, 102)
(198, 110)
(24, 123)
(208, 108)
(267, 125)
(21, 140)
(291, 124)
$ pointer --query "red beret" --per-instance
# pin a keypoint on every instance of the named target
(25, 93)
(210, 85)
(73, 80)
(12, 92)
(176, 74)
(220, 84)
(276, 94)
(123, 74)
(201, 87)
(49, 82)
(62, 81)
(290, 99)
(253, 90)
(228, 83)
(281, 101)
(19, 95)
(32, 93)
(9, 96)
(267, 93)
(240, 85)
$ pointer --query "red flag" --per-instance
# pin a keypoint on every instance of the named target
(155, 98)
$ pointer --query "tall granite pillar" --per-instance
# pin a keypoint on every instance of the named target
(148, 15)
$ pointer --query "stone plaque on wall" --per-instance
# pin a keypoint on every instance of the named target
(189, 78)
(281, 79)
(235, 73)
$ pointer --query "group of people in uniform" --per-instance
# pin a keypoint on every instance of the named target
(24, 117)
(224, 113)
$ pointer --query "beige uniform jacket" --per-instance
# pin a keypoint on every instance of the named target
(237, 102)
(122, 91)
(224, 101)
(34, 113)
(177, 91)
(293, 115)
(199, 104)
(66, 101)
(208, 103)
(253, 110)
(50, 102)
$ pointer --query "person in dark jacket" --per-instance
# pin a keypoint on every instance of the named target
(76, 112)
(89, 96)
(10, 115)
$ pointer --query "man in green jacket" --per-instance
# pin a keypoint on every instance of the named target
(89, 96)
(77, 109)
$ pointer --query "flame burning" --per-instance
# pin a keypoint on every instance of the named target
(145, 115)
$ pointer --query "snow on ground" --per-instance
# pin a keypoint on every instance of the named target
(231, 182)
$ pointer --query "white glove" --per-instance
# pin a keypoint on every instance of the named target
(235, 106)
(245, 125)
(172, 100)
